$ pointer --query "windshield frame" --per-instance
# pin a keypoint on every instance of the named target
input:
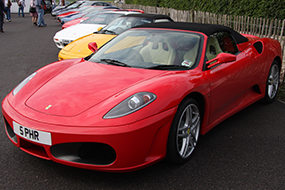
(114, 26)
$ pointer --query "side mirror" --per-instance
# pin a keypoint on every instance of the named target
(93, 46)
(100, 28)
(221, 58)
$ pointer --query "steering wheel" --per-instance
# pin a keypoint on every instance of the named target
(135, 56)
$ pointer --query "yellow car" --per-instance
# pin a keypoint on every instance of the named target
(79, 47)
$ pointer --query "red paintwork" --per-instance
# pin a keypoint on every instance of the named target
(73, 22)
(66, 14)
(139, 139)
(131, 10)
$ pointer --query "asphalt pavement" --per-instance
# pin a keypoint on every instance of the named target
(246, 151)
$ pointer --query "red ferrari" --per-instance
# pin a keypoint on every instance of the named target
(144, 96)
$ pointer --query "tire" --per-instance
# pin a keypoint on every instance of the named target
(272, 83)
(184, 132)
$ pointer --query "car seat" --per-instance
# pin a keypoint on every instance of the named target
(158, 51)
(213, 48)
(192, 54)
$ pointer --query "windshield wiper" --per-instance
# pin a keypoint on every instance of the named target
(115, 62)
(169, 67)
(108, 31)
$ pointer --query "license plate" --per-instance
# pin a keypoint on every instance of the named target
(32, 135)
(66, 41)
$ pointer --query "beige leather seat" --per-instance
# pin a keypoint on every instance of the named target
(158, 52)
(192, 54)
(213, 48)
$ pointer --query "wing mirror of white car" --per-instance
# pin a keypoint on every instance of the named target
(220, 59)
(93, 46)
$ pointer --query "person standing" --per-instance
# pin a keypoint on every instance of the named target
(40, 10)
(33, 12)
(8, 4)
(2, 7)
(21, 4)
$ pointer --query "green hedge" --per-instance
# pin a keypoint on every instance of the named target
(254, 8)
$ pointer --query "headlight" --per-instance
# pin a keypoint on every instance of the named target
(23, 83)
(131, 104)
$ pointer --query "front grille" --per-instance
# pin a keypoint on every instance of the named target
(101, 153)
(88, 153)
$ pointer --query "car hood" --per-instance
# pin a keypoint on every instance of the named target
(82, 86)
(80, 46)
(73, 22)
(77, 31)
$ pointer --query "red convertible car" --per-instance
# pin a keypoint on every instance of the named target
(142, 97)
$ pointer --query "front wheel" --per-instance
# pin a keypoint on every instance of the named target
(272, 83)
(184, 132)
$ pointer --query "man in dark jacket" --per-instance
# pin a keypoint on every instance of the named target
(1, 15)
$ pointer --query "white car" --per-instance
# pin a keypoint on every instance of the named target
(67, 35)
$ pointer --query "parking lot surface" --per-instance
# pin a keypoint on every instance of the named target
(246, 151)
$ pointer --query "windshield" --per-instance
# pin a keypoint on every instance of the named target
(74, 5)
(151, 49)
(102, 18)
(84, 9)
(123, 23)
(93, 12)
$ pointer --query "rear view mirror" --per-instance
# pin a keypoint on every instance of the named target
(93, 46)
(221, 58)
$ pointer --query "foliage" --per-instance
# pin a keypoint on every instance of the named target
(254, 8)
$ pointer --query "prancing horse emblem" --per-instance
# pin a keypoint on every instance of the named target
(49, 106)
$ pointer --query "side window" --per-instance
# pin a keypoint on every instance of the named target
(220, 42)
(162, 20)
(227, 43)
(213, 47)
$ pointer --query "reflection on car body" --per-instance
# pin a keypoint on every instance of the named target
(144, 96)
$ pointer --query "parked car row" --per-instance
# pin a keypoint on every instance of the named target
(75, 5)
(86, 24)
(145, 90)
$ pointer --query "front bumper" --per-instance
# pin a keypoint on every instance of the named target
(61, 43)
(109, 148)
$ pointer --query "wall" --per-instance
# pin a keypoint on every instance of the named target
(15, 7)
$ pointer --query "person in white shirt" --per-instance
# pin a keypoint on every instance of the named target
(33, 12)
(21, 4)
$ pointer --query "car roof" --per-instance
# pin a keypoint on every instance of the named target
(149, 15)
(118, 11)
(96, 1)
(207, 29)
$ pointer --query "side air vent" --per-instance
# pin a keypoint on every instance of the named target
(259, 47)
